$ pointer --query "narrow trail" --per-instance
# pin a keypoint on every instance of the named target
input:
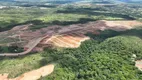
(33, 44)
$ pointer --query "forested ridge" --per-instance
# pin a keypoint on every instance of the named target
(104, 57)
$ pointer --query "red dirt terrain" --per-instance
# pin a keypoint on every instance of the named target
(66, 40)
(68, 36)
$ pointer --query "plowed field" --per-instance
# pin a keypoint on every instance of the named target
(67, 40)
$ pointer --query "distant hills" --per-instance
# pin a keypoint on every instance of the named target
(130, 0)
(115, 1)
(40, 0)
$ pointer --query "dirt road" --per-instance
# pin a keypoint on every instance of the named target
(32, 43)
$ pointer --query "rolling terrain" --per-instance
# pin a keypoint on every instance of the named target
(70, 40)
(66, 37)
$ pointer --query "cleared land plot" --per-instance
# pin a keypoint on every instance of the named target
(68, 41)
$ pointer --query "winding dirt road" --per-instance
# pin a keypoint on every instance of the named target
(33, 45)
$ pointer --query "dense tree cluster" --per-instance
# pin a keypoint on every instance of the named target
(97, 59)
(10, 49)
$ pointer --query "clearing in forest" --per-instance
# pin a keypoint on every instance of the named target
(69, 36)
(32, 75)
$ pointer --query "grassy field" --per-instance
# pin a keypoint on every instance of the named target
(17, 66)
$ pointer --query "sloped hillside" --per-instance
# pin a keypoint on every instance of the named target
(110, 58)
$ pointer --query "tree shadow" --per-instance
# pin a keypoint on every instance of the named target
(13, 24)
(64, 23)
(61, 1)
(101, 2)
(40, 24)
(38, 5)
(111, 33)
(92, 11)
(134, 32)
(48, 6)
(103, 35)
(8, 25)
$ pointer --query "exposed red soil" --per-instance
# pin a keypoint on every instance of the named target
(30, 39)
(68, 41)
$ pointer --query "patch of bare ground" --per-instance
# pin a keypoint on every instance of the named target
(67, 40)
(32, 75)
(138, 64)
(58, 35)
(113, 25)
